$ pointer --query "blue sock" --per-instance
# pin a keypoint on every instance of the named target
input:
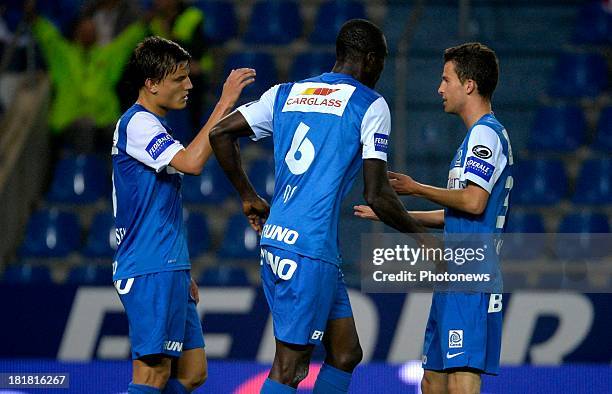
(332, 381)
(142, 389)
(174, 387)
(274, 387)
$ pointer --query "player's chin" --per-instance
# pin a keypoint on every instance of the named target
(180, 104)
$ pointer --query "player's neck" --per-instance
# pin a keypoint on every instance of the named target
(150, 106)
(354, 70)
(474, 111)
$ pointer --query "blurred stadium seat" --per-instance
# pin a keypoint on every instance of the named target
(594, 24)
(61, 12)
(101, 240)
(265, 66)
(424, 75)
(220, 22)
(224, 275)
(261, 174)
(594, 182)
(80, 179)
(330, 17)
(433, 134)
(557, 128)
(210, 187)
(198, 233)
(579, 75)
(91, 275)
(240, 241)
(274, 22)
(51, 233)
(531, 72)
(541, 182)
(26, 273)
(519, 242)
(585, 245)
(525, 222)
(310, 64)
(603, 141)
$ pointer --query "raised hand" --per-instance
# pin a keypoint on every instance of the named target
(235, 82)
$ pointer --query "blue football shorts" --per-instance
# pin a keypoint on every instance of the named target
(463, 331)
(303, 295)
(161, 313)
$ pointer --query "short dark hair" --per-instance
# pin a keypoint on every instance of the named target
(475, 61)
(154, 58)
(357, 37)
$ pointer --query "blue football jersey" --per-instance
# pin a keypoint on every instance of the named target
(322, 129)
(147, 201)
(485, 158)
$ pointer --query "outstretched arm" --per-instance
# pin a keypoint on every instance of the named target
(191, 160)
(384, 201)
(430, 219)
(473, 199)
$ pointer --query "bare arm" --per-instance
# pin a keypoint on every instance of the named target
(224, 140)
(430, 219)
(384, 201)
(191, 160)
(473, 199)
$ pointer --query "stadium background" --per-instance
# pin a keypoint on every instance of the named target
(60, 312)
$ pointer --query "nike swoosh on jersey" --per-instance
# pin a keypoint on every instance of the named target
(448, 355)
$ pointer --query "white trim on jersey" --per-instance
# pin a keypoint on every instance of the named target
(259, 114)
(375, 130)
(149, 142)
(485, 159)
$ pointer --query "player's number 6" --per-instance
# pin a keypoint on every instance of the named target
(302, 151)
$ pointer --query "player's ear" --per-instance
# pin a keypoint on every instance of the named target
(470, 86)
(151, 86)
(370, 61)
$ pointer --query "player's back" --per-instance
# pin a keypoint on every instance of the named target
(319, 126)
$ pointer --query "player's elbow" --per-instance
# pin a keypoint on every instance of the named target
(216, 135)
(193, 167)
(195, 171)
(371, 198)
(475, 206)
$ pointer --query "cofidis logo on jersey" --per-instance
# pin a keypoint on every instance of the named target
(318, 97)
(158, 144)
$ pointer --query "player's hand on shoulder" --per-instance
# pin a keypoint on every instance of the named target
(365, 212)
(257, 211)
(402, 184)
(235, 82)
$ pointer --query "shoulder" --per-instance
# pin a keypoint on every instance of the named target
(485, 133)
(142, 120)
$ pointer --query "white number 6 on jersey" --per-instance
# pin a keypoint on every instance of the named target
(301, 154)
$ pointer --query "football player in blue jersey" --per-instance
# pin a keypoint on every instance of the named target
(324, 129)
(151, 270)
(463, 335)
